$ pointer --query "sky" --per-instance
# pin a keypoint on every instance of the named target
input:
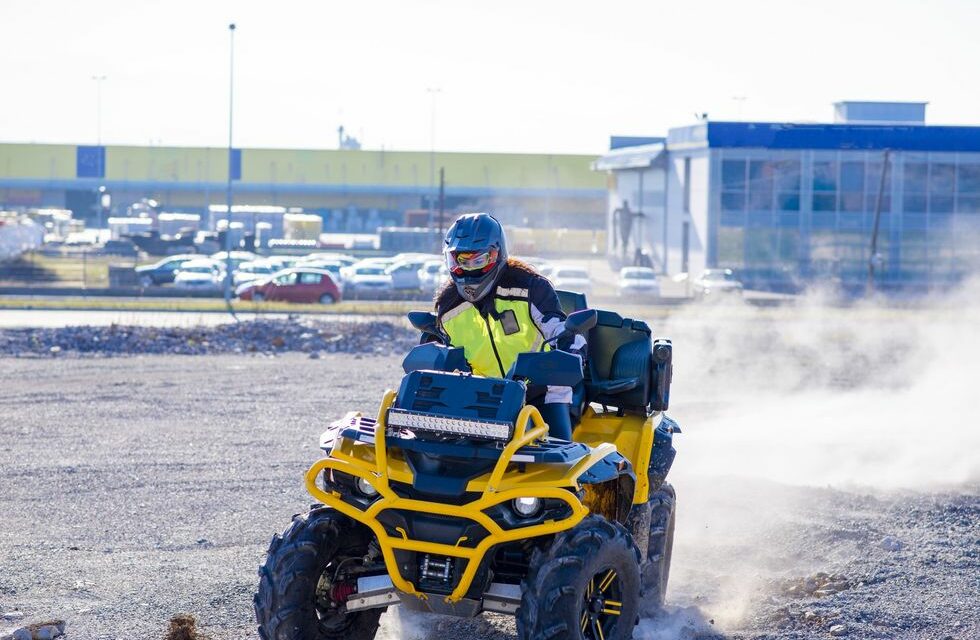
(508, 76)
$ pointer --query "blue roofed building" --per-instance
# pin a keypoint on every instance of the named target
(787, 204)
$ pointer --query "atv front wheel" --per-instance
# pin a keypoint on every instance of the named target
(656, 571)
(298, 597)
(584, 586)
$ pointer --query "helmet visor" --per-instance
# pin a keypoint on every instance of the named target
(460, 262)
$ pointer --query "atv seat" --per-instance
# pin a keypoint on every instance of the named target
(571, 301)
(621, 368)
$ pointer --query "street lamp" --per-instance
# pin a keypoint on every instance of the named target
(231, 110)
(105, 204)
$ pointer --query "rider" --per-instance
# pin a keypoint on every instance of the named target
(496, 307)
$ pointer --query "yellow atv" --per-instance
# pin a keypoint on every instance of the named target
(454, 500)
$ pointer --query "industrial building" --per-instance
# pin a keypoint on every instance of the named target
(785, 204)
(354, 191)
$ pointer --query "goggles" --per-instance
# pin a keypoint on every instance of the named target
(459, 262)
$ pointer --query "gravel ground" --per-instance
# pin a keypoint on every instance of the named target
(816, 498)
(255, 336)
(141, 496)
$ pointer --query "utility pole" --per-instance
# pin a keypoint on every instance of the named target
(231, 111)
(874, 258)
(442, 208)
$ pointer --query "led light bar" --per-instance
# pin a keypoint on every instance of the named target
(442, 424)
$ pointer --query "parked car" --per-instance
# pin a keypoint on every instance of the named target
(431, 275)
(252, 271)
(716, 282)
(298, 284)
(405, 274)
(343, 258)
(202, 274)
(540, 265)
(366, 278)
(237, 258)
(333, 266)
(571, 279)
(638, 281)
(162, 272)
(124, 248)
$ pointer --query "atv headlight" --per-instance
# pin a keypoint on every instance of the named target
(526, 507)
(366, 487)
(443, 424)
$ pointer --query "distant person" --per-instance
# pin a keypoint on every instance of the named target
(622, 226)
(496, 307)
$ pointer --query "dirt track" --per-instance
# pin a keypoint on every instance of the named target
(131, 493)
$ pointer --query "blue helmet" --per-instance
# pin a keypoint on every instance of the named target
(476, 254)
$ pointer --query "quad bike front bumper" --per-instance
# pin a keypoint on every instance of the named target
(495, 490)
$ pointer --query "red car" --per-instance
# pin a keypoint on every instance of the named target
(293, 285)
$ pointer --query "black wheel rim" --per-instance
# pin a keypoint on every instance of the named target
(602, 605)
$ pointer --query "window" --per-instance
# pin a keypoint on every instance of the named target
(733, 201)
(731, 247)
(968, 188)
(872, 183)
(733, 175)
(787, 181)
(286, 279)
(733, 185)
(760, 246)
(760, 185)
(825, 186)
(852, 186)
(942, 185)
(308, 277)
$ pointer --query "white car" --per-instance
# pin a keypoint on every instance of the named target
(251, 271)
(200, 275)
(237, 258)
(327, 256)
(571, 279)
(540, 265)
(716, 281)
(335, 267)
(431, 275)
(363, 279)
(405, 274)
(384, 263)
(638, 281)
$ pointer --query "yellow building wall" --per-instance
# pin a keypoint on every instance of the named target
(411, 169)
(166, 164)
(332, 167)
(37, 161)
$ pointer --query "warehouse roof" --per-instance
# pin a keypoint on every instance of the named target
(790, 135)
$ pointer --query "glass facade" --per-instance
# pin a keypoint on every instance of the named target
(787, 217)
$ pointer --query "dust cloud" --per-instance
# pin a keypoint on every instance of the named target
(866, 396)
(773, 402)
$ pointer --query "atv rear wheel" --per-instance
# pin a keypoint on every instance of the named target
(656, 570)
(295, 596)
(584, 586)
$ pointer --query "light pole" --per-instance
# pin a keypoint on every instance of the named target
(433, 92)
(231, 111)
